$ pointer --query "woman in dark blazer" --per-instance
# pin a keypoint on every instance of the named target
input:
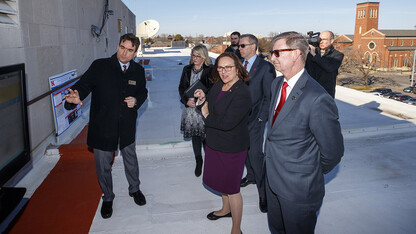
(192, 125)
(226, 111)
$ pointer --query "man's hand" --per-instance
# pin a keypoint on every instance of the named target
(131, 101)
(312, 50)
(73, 97)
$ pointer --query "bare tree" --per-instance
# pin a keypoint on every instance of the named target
(355, 60)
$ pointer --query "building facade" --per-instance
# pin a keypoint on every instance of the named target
(392, 49)
(51, 37)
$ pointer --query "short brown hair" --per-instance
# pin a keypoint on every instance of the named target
(130, 37)
(242, 72)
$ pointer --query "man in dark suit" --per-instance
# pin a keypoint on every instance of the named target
(323, 63)
(118, 88)
(304, 140)
(235, 41)
(261, 74)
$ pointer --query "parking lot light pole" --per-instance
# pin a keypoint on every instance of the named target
(413, 69)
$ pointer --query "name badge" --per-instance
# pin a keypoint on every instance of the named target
(132, 82)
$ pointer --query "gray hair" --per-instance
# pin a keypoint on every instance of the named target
(295, 41)
(253, 39)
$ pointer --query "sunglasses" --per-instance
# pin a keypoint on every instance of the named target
(244, 45)
(277, 52)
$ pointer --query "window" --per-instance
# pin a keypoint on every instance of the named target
(395, 61)
(401, 44)
(363, 13)
(359, 31)
(392, 43)
(8, 13)
(411, 43)
(375, 14)
(371, 45)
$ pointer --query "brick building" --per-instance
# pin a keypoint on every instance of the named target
(383, 48)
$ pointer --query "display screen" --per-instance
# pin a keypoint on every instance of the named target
(14, 149)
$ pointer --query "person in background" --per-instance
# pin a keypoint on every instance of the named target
(323, 63)
(226, 110)
(261, 74)
(304, 140)
(192, 125)
(118, 89)
(235, 41)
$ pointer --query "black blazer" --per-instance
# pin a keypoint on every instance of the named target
(110, 118)
(226, 126)
(186, 79)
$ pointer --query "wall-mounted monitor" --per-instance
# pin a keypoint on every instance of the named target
(14, 134)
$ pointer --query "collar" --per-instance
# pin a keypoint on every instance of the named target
(121, 65)
(292, 82)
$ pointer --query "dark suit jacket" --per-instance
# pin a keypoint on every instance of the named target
(304, 143)
(226, 125)
(110, 118)
(324, 69)
(184, 83)
(262, 74)
(236, 52)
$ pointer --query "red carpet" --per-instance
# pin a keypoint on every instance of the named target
(68, 198)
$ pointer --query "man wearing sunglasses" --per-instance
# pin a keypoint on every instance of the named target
(262, 74)
(322, 63)
(304, 140)
(235, 41)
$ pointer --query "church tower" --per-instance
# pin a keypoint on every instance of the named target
(366, 18)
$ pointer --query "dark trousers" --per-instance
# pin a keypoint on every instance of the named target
(290, 217)
(103, 165)
(255, 157)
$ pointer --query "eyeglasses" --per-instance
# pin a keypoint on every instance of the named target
(226, 68)
(196, 56)
(277, 52)
(244, 45)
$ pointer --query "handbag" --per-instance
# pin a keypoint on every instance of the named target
(189, 92)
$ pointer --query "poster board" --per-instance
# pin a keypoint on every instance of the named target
(63, 118)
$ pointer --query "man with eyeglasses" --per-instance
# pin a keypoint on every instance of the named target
(235, 41)
(261, 74)
(303, 141)
(118, 89)
(323, 63)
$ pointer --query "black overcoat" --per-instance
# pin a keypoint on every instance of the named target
(184, 83)
(111, 121)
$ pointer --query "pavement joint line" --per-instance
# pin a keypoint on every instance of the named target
(412, 124)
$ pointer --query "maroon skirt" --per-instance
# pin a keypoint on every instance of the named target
(223, 171)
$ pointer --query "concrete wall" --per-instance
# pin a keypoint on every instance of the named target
(53, 37)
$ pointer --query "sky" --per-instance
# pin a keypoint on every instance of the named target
(215, 18)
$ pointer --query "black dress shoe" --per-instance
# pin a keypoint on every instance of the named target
(245, 182)
(212, 216)
(263, 205)
(139, 198)
(107, 209)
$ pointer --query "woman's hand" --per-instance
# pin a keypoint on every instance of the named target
(191, 102)
(200, 95)
(204, 110)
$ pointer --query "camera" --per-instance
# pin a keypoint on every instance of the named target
(313, 38)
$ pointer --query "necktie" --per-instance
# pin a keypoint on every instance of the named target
(245, 65)
(281, 102)
(124, 68)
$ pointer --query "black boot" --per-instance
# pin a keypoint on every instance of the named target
(198, 168)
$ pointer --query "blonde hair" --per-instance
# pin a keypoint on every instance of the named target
(202, 51)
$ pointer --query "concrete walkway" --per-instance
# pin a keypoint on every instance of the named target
(372, 190)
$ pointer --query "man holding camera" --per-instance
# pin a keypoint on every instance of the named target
(323, 62)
